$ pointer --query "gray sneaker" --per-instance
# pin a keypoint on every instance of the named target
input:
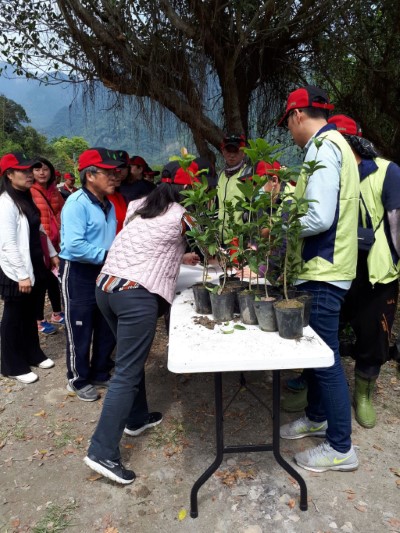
(303, 427)
(324, 457)
(86, 394)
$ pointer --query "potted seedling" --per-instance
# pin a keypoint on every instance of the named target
(290, 311)
(261, 214)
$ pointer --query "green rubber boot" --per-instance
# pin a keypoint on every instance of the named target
(295, 401)
(365, 412)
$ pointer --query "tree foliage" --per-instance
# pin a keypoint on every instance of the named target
(216, 65)
(362, 69)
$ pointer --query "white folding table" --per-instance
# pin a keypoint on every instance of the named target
(194, 348)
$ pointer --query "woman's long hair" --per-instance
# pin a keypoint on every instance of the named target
(48, 163)
(21, 201)
(159, 200)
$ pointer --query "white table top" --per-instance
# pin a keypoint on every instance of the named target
(195, 348)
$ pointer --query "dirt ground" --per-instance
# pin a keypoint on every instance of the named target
(45, 487)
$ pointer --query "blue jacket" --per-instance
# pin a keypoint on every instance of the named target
(87, 229)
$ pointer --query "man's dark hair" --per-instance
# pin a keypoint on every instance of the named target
(316, 112)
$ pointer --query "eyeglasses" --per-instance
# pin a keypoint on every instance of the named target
(112, 173)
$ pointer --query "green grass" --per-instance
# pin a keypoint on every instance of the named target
(56, 518)
(170, 433)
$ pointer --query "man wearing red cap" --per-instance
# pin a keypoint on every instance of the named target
(371, 303)
(236, 169)
(326, 257)
(88, 228)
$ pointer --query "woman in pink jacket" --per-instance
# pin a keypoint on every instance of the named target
(49, 201)
(136, 285)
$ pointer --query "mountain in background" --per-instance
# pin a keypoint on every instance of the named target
(59, 110)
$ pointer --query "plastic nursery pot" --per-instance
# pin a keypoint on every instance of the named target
(202, 302)
(246, 306)
(265, 313)
(307, 298)
(289, 316)
(234, 284)
(222, 305)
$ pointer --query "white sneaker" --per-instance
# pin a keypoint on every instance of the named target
(47, 363)
(324, 457)
(303, 427)
(31, 377)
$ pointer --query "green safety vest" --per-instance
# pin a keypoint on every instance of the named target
(381, 268)
(332, 255)
(227, 190)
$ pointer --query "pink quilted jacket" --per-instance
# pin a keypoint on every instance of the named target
(149, 251)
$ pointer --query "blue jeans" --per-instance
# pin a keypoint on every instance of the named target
(132, 316)
(328, 393)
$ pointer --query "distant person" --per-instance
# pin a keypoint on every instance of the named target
(150, 174)
(49, 201)
(88, 227)
(117, 199)
(135, 186)
(21, 269)
(68, 187)
(57, 174)
(236, 169)
(136, 285)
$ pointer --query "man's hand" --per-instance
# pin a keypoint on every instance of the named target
(25, 286)
(190, 258)
(55, 262)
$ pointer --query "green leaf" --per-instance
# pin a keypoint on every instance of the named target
(239, 326)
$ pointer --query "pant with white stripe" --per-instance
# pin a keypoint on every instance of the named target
(85, 326)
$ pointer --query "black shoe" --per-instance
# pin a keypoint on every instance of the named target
(153, 419)
(112, 469)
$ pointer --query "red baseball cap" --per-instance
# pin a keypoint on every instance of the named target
(309, 96)
(346, 125)
(137, 160)
(17, 161)
(263, 168)
(69, 176)
(183, 177)
(99, 157)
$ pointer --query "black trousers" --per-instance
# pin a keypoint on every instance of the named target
(370, 311)
(52, 286)
(20, 347)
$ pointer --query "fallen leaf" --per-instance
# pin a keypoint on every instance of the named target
(79, 439)
(394, 522)
(349, 491)
(3, 443)
(40, 413)
(291, 503)
(238, 326)
(15, 522)
(351, 497)
(129, 446)
(111, 530)
(377, 447)
(182, 514)
(95, 477)
(396, 471)
(360, 508)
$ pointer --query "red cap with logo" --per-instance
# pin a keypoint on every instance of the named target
(99, 157)
(309, 96)
(137, 160)
(17, 161)
(346, 125)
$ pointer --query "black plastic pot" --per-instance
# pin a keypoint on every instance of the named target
(265, 313)
(202, 302)
(307, 298)
(222, 305)
(246, 306)
(289, 316)
(235, 285)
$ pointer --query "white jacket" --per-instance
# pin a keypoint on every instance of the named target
(15, 259)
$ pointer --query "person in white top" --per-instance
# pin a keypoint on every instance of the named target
(23, 244)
